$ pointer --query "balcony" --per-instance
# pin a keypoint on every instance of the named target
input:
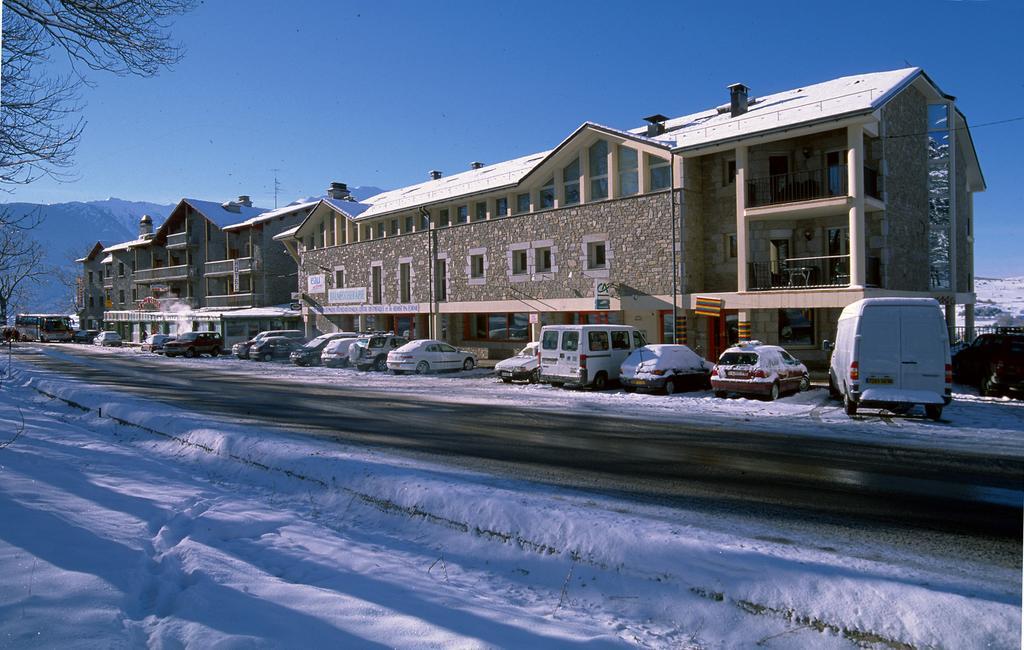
(826, 272)
(108, 282)
(227, 267)
(177, 240)
(232, 300)
(807, 186)
(162, 274)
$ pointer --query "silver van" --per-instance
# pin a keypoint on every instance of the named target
(585, 355)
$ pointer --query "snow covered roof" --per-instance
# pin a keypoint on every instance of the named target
(221, 216)
(473, 181)
(294, 206)
(109, 259)
(288, 233)
(125, 245)
(832, 99)
(96, 249)
(277, 311)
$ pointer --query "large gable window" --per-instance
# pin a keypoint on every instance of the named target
(660, 173)
(629, 183)
(598, 170)
(571, 184)
(547, 194)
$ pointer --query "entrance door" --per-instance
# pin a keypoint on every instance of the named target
(723, 333)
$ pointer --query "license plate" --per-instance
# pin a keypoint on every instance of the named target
(879, 380)
(736, 374)
(506, 373)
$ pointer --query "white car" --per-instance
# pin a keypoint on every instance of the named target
(668, 368)
(335, 355)
(424, 355)
(107, 339)
(754, 368)
(524, 366)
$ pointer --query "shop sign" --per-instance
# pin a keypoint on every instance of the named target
(602, 295)
(411, 308)
(348, 294)
(316, 283)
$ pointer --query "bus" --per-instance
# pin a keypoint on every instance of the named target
(43, 327)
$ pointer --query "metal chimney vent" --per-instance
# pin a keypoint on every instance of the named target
(338, 191)
(656, 124)
(738, 99)
(435, 174)
(475, 165)
(145, 226)
(243, 199)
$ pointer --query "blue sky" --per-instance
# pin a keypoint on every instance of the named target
(378, 93)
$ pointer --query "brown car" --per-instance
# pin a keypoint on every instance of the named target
(191, 344)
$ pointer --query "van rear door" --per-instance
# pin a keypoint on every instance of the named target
(568, 354)
(923, 345)
(878, 347)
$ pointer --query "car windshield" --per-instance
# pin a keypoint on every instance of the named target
(316, 344)
(528, 351)
(189, 336)
(738, 359)
(378, 341)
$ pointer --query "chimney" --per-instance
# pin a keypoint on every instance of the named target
(435, 174)
(243, 199)
(231, 206)
(476, 164)
(655, 124)
(737, 99)
(145, 226)
(338, 191)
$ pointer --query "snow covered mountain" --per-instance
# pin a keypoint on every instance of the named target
(1000, 301)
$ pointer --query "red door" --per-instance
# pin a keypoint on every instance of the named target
(723, 333)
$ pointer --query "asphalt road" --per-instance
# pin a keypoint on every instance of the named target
(757, 473)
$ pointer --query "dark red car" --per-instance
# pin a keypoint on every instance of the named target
(192, 344)
(993, 362)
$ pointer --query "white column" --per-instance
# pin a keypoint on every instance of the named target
(742, 236)
(855, 182)
(584, 174)
(613, 170)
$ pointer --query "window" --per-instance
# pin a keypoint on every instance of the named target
(796, 327)
(501, 207)
(570, 341)
(376, 281)
(519, 261)
(120, 270)
(730, 246)
(547, 194)
(729, 172)
(409, 222)
(596, 255)
(639, 340)
(481, 211)
(108, 270)
(629, 183)
(441, 280)
(598, 341)
(120, 296)
(90, 277)
(339, 278)
(394, 227)
(405, 282)
(133, 266)
(550, 340)
(476, 266)
(599, 170)
(380, 229)
(367, 232)
(329, 237)
(462, 214)
(522, 203)
(571, 182)
(92, 303)
(661, 174)
(135, 294)
(542, 259)
(620, 340)
(442, 218)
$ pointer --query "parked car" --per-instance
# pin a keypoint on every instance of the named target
(155, 343)
(84, 336)
(107, 339)
(992, 362)
(585, 355)
(425, 355)
(754, 368)
(241, 350)
(524, 366)
(668, 368)
(335, 353)
(375, 353)
(892, 353)
(274, 347)
(192, 344)
(309, 354)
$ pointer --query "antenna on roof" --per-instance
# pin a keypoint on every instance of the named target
(277, 185)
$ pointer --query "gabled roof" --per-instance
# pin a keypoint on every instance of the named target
(351, 209)
(829, 100)
(291, 208)
(220, 216)
(93, 252)
(125, 245)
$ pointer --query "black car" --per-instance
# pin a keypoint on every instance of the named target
(274, 347)
(84, 336)
(993, 362)
(309, 354)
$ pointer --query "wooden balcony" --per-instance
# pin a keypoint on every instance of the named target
(177, 240)
(162, 274)
(227, 267)
(232, 300)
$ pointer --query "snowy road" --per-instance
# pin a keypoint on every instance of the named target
(798, 458)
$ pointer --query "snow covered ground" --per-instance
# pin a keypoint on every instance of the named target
(996, 297)
(152, 526)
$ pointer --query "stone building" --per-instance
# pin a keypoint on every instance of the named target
(90, 298)
(760, 218)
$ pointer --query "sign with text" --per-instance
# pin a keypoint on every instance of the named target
(316, 283)
(602, 295)
(348, 294)
(411, 308)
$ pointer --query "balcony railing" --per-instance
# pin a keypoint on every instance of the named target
(177, 240)
(233, 300)
(809, 273)
(227, 267)
(108, 282)
(160, 273)
(806, 186)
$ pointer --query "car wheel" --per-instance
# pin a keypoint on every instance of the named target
(557, 384)
(600, 381)
(190, 352)
(468, 364)
(422, 368)
(670, 387)
(215, 352)
(849, 406)
(380, 364)
(805, 384)
(773, 394)
(833, 392)
(720, 394)
(933, 411)
(267, 357)
(987, 390)
(534, 376)
(629, 389)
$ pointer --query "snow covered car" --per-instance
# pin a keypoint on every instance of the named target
(241, 349)
(524, 366)
(309, 354)
(668, 368)
(335, 353)
(375, 353)
(423, 355)
(754, 368)
(107, 339)
(155, 343)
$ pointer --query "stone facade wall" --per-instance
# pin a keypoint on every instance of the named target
(693, 229)
(905, 257)
(92, 291)
(718, 213)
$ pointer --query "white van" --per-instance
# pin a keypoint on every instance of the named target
(585, 355)
(892, 353)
